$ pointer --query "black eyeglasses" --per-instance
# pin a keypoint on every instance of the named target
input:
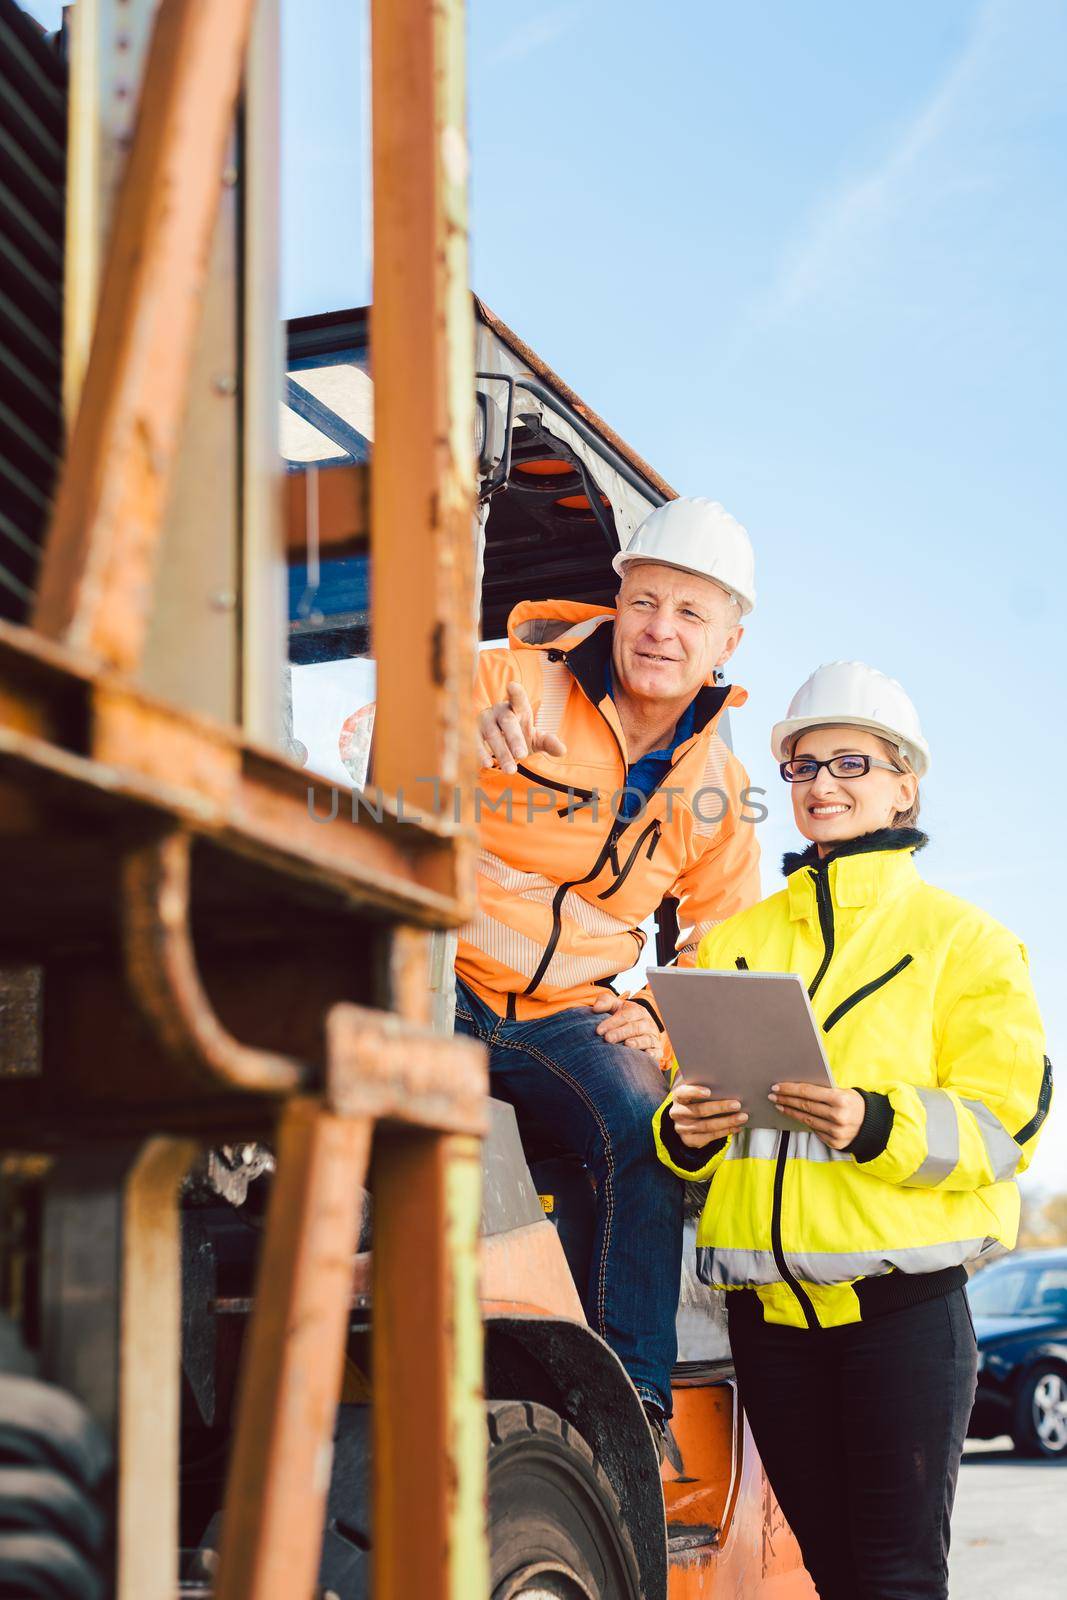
(806, 768)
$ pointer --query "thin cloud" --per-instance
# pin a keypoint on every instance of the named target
(846, 222)
(535, 34)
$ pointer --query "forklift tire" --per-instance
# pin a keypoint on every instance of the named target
(54, 1468)
(555, 1525)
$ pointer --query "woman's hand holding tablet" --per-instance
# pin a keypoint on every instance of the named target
(700, 1119)
(836, 1115)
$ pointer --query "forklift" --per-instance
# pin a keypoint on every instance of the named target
(287, 1302)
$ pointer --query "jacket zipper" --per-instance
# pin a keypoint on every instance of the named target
(777, 1249)
(824, 901)
(861, 993)
(585, 795)
(607, 849)
(826, 926)
(654, 828)
(557, 902)
(1044, 1100)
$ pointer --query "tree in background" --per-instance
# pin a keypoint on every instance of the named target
(1044, 1221)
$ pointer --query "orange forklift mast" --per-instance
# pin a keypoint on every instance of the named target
(162, 875)
(258, 1213)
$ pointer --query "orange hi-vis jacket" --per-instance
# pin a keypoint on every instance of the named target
(563, 881)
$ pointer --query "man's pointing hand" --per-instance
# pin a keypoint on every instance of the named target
(508, 734)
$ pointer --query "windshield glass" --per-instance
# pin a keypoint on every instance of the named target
(1020, 1291)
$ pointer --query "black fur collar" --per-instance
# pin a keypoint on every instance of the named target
(880, 839)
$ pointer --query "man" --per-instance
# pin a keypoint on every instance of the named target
(606, 788)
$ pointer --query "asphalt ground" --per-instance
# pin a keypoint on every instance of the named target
(1009, 1528)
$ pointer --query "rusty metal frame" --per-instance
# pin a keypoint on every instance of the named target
(80, 740)
(427, 1330)
(422, 336)
(96, 576)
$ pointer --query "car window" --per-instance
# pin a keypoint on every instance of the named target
(1029, 1290)
(1046, 1292)
(997, 1292)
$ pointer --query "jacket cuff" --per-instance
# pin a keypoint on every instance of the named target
(686, 1163)
(875, 1129)
(643, 1000)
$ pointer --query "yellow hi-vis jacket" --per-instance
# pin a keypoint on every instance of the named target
(926, 1005)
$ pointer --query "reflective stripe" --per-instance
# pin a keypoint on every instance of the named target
(542, 891)
(761, 1144)
(736, 1269)
(567, 971)
(529, 885)
(753, 1269)
(594, 919)
(556, 681)
(942, 1141)
(1004, 1154)
(712, 777)
(827, 1267)
(513, 950)
(502, 943)
(753, 1144)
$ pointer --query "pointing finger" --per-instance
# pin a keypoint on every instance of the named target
(511, 727)
(519, 701)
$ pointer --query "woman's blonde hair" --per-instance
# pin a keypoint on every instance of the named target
(908, 818)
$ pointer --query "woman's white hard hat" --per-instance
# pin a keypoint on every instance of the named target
(852, 695)
(697, 536)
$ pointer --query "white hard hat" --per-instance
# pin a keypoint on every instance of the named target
(852, 695)
(697, 536)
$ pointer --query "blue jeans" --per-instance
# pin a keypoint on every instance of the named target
(598, 1099)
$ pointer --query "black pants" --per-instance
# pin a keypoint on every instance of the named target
(861, 1430)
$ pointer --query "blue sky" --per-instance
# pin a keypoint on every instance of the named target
(809, 261)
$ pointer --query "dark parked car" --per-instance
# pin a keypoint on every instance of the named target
(1019, 1307)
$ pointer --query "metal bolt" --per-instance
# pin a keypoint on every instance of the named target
(223, 600)
(229, 177)
(225, 383)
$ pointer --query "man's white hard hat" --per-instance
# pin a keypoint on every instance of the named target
(852, 695)
(697, 536)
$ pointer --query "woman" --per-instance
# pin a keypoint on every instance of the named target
(843, 1243)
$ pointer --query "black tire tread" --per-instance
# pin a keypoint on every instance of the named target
(508, 1419)
(347, 1546)
(42, 1426)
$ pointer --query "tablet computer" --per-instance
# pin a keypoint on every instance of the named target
(739, 1032)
